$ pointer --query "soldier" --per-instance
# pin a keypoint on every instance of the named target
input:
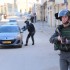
(61, 38)
(31, 29)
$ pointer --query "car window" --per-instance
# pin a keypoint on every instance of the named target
(12, 21)
(9, 29)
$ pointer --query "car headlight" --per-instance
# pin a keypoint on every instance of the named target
(18, 36)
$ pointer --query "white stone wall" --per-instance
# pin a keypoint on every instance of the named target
(43, 1)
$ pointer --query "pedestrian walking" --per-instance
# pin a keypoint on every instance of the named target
(32, 19)
(61, 38)
(31, 29)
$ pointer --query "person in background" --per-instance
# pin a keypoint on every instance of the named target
(32, 19)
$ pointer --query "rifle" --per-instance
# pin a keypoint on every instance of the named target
(63, 45)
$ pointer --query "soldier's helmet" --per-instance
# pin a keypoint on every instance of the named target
(64, 12)
(27, 22)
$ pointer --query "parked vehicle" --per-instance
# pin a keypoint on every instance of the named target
(10, 36)
(26, 16)
(12, 22)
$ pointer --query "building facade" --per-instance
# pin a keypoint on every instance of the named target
(44, 10)
(8, 8)
(54, 7)
(36, 8)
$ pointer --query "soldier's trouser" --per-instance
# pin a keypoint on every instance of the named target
(32, 37)
(65, 60)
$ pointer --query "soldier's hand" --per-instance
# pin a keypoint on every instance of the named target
(67, 41)
(59, 38)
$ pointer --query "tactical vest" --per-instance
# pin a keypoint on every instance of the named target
(65, 32)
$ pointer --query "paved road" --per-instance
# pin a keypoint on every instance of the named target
(41, 56)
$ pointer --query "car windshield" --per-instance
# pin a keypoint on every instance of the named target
(9, 29)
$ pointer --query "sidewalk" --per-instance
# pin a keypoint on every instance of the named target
(44, 27)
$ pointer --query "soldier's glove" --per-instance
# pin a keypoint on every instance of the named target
(24, 28)
(65, 41)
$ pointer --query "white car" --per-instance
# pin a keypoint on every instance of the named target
(12, 22)
(26, 16)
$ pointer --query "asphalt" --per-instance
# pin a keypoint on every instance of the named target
(43, 27)
(44, 31)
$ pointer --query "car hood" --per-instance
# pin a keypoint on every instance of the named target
(8, 36)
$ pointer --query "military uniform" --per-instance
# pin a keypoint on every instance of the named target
(31, 29)
(61, 38)
(64, 32)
